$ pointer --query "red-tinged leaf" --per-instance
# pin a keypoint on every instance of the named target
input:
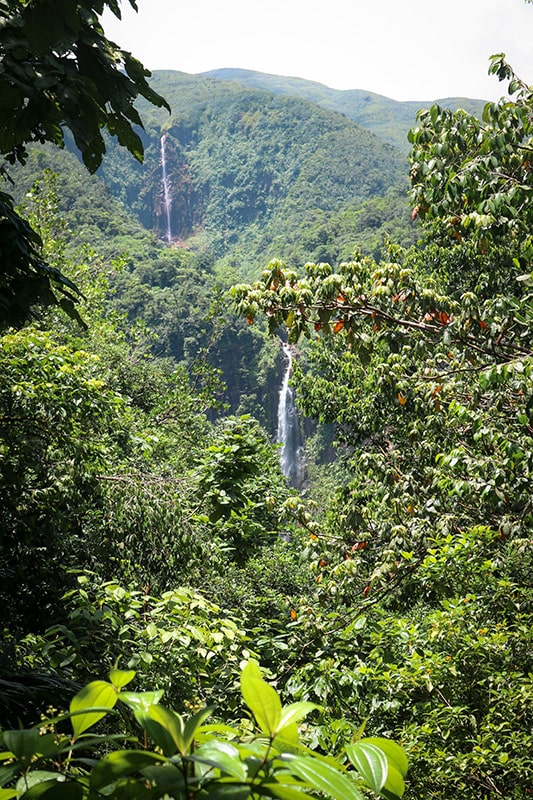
(402, 399)
(366, 591)
(341, 298)
(250, 320)
(338, 326)
(318, 326)
(483, 325)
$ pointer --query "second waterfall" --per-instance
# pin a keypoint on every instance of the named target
(289, 434)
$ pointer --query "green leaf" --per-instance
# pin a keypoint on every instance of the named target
(172, 723)
(261, 699)
(382, 764)
(121, 677)
(97, 694)
(294, 713)
(7, 794)
(370, 762)
(395, 754)
(141, 701)
(223, 756)
(193, 723)
(120, 763)
(322, 776)
(23, 744)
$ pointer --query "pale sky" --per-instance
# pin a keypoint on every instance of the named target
(404, 49)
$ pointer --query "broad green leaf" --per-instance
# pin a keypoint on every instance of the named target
(394, 786)
(141, 701)
(261, 699)
(97, 694)
(120, 763)
(24, 744)
(172, 723)
(294, 713)
(322, 776)
(370, 762)
(157, 733)
(364, 756)
(395, 754)
(287, 740)
(223, 756)
(7, 794)
(37, 776)
(121, 677)
(192, 725)
(215, 727)
(8, 772)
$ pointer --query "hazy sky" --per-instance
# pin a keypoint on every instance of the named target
(404, 49)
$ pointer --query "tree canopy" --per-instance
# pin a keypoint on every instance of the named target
(58, 73)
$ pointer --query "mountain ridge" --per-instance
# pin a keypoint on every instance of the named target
(388, 118)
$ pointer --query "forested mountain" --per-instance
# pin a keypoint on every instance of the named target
(387, 118)
(245, 167)
(148, 536)
(250, 176)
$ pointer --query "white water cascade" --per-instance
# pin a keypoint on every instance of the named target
(167, 194)
(289, 434)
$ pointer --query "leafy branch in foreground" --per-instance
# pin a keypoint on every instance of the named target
(366, 301)
(176, 758)
(58, 71)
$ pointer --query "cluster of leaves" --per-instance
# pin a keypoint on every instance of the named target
(422, 614)
(171, 756)
(473, 177)
(57, 71)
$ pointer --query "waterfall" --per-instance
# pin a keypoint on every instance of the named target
(289, 435)
(167, 194)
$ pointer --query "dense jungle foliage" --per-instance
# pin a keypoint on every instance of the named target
(148, 536)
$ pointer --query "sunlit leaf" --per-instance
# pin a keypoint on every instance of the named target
(322, 776)
(223, 756)
(261, 699)
(97, 694)
(121, 677)
(172, 723)
(370, 762)
(192, 725)
(294, 713)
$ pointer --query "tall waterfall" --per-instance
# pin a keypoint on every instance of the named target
(167, 194)
(289, 434)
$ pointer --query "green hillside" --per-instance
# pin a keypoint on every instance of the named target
(240, 160)
(389, 119)
(252, 176)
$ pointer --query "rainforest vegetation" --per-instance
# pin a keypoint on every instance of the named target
(177, 620)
